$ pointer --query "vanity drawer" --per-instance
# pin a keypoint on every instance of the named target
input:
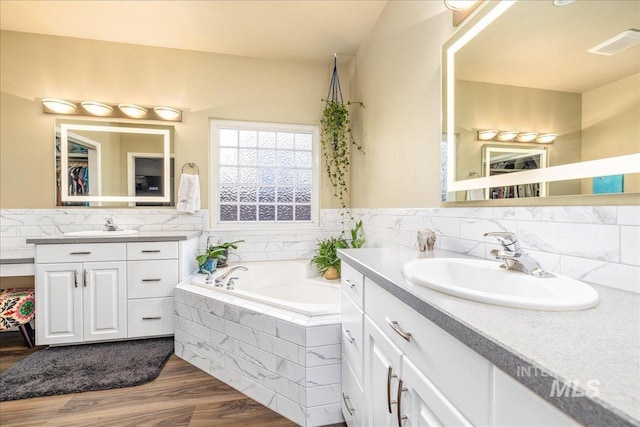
(152, 250)
(460, 373)
(352, 398)
(153, 316)
(353, 284)
(148, 279)
(352, 335)
(84, 252)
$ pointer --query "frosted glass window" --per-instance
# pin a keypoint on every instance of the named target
(264, 172)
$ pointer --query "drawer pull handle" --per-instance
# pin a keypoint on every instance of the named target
(390, 402)
(80, 253)
(394, 325)
(151, 280)
(350, 283)
(345, 399)
(75, 278)
(151, 251)
(152, 318)
(348, 336)
(84, 278)
(400, 391)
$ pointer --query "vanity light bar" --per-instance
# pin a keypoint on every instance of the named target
(514, 135)
(93, 108)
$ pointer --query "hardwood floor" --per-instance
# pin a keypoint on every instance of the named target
(182, 395)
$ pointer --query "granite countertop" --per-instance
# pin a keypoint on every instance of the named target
(143, 236)
(17, 256)
(601, 345)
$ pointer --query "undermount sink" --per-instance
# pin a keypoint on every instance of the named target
(485, 281)
(100, 233)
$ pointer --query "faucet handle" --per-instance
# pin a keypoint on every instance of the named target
(507, 239)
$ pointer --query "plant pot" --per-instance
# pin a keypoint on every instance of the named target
(209, 266)
(222, 262)
(331, 274)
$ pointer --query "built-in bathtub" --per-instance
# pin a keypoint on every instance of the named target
(275, 337)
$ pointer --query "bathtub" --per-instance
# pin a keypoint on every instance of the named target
(275, 337)
(289, 285)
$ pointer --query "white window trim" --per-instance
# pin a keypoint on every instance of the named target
(214, 129)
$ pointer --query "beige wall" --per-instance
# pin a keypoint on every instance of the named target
(611, 125)
(204, 85)
(397, 74)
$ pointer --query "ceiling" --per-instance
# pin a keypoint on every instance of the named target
(300, 31)
(539, 45)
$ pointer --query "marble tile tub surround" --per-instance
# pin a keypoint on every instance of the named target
(289, 363)
(597, 244)
(17, 225)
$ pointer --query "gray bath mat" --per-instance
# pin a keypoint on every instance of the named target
(89, 367)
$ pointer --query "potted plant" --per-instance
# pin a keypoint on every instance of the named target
(215, 256)
(326, 257)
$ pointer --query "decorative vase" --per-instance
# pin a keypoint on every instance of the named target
(209, 266)
(331, 274)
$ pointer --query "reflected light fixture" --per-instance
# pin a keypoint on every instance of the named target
(59, 106)
(546, 138)
(167, 113)
(526, 136)
(563, 2)
(507, 135)
(132, 110)
(97, 108)
(486, 135)
(459, 4)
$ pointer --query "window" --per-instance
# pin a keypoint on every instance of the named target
(264, 173)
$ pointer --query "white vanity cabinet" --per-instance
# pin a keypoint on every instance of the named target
(107, 291)
(81, 293)
(413, 373)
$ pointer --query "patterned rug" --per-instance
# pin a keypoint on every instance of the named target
(89, 367)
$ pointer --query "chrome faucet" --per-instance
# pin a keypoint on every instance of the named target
(109, 225)
(514, 257)
(220, 280)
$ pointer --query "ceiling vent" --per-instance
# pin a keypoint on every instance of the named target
(617, 43)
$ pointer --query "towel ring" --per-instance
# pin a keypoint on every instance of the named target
(191, 165)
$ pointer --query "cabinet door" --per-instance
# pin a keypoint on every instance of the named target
(104, 301)
(58, 303)
(421, 404)
(381, 375)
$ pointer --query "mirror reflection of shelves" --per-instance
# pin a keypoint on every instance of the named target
(505, 160)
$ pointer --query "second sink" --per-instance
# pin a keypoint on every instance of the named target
(100, 233)
(484, 281)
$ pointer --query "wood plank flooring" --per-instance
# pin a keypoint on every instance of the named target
(182, 395)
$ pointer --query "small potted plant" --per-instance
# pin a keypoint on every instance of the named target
(215, 256)
(326, 257)
(222, 261)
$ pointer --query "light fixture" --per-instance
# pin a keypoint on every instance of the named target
(515, 136)
(617, 43)
(526, 136)
(546, 138)
(563, 2)
(59, 106)
(131, 110)
(459, 4)
(97, 108)
(486, 135)
(167, 113)
(507, 135)
(94, 108)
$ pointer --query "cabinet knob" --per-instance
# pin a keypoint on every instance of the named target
(349, 283)
(401, 389)
(348, 336)
(84, 278)
(151, 280)
(390, 375)
(345, 399)
(152, 318)
(396, 327)
(80, 253)
(150, 251)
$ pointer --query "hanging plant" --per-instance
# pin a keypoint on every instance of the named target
(337, 140)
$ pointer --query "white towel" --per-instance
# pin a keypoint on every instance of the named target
(475, 194)
(188, 194)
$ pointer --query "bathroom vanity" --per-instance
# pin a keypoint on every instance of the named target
(415, 356)
(92, 289)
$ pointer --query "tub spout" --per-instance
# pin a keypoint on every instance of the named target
(220, 279)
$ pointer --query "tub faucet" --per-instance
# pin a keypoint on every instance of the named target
(220, 280)
(514, 257)
(109, 225)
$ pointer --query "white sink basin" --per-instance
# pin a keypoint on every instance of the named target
(484, 281)
(100, 233)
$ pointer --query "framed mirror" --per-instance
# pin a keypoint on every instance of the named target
(113, 164)
(530, 67)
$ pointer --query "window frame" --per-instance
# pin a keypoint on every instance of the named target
(214, 189)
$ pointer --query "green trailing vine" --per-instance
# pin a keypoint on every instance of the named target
(336, 140)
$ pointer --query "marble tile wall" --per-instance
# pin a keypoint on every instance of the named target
(289, 364)
(597, 244)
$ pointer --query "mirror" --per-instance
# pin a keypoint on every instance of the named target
(113, 164)
(524, 66)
